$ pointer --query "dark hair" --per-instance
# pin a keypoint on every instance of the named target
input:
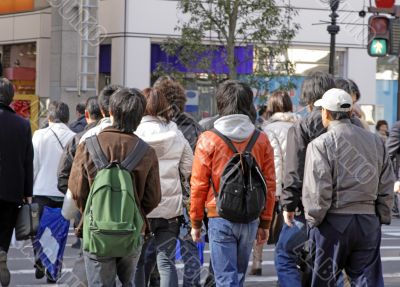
(381, 123)
(58, 112)
(349, 86)
(173, 92)
(157, 104)
(337, 116)
(80, 108)
(93, 108)
(262, 110)
(315, 86)
(279, 102)
(6, 91)
(104, 98)
(127, 107)
(234, 97)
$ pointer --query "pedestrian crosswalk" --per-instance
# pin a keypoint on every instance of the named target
(21, 262)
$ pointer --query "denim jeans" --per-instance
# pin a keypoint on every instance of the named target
(166, 233)
(287, 251)
(102, 271)
(230, 246)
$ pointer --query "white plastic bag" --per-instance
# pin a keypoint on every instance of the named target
(16, 244)
(69, 208)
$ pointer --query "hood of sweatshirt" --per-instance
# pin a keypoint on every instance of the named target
(236, 127)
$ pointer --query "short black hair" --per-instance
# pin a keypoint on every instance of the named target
(6, 91)
(80, 108)
(315, 86)
(104, 98)
(349, 86)
(58, 112)
(381, 123)
(234, 97)
(127, 107)
(93, 108)
(337, 116)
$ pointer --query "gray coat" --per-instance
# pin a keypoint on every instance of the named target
(347, 171)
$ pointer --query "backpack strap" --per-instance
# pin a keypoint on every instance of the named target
(252, 141)
(225, 139)
(135, 156)
(95, 151)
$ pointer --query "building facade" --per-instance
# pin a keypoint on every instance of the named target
(129, 32)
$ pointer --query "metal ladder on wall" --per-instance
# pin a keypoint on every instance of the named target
(89, 46)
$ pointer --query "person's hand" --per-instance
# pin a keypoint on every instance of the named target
(196, 234)
(28, 200)
(262, 236)
(397, 187)
(288, 216)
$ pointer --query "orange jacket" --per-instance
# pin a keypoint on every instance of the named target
(210, 158)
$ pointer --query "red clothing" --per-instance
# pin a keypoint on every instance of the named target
(210, 158)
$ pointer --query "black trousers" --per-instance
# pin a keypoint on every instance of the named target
(8, 218)
(354, 248)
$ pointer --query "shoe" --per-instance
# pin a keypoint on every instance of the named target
(256, 272)
(77, 244)
(39, 270)
(5, 276)
(50, 280)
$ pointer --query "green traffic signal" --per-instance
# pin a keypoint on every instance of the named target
(378, 47)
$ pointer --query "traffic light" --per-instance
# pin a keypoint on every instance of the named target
(378, 36)
(384, 3)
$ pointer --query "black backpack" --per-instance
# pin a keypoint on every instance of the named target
(242, 189)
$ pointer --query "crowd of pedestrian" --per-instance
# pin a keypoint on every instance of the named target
(141, 179)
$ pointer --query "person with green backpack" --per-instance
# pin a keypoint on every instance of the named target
(115, 183)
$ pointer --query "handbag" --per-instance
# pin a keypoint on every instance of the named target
(27, 221)
(276, 224)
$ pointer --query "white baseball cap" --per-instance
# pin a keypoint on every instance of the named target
(335, 100)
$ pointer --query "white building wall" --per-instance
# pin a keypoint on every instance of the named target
(153, 20)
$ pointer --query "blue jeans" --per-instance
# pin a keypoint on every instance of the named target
(166, 232)
(230, 246)
(287, 254)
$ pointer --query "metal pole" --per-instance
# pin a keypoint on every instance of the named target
(398, 92)
(333, 29)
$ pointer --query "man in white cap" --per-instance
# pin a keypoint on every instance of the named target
(347, 195)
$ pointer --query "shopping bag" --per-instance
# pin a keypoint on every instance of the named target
(50, 241)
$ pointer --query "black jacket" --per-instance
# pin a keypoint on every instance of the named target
(298, 138)
(79, 125)
(16, 156)
(189, 127)
(65, 165)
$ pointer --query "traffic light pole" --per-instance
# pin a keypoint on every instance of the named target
(333, 29)
(398, 91)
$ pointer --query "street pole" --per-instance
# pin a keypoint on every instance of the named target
(398, 91)
(333, 30)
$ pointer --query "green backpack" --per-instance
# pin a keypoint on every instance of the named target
(112, 221)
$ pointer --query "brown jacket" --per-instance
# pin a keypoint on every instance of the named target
(116, 146)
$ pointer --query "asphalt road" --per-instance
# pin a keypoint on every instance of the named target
(21, 263)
